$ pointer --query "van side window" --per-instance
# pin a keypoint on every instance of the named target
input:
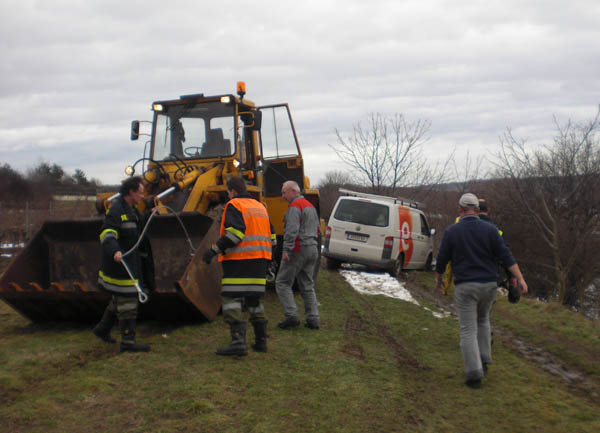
(361, 212)
(424, 227)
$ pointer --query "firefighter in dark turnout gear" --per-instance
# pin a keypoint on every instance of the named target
(244, 246)
(120, 231)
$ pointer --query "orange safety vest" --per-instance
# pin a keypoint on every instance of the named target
(256, 241)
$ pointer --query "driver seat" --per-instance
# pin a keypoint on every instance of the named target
(215, 144)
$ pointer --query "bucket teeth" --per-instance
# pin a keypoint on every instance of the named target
(58, 286)
(15, 286)
(80, 286)
(36, 286)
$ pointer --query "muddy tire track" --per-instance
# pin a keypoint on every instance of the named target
(357, 323)
(578, 383)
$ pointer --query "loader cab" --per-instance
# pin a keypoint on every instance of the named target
(193, 129)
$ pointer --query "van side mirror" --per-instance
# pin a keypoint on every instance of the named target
(135, 130)
(432, 231)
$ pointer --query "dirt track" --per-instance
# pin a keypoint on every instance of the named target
(579, 382)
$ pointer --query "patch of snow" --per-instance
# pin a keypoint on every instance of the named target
(369, 283)
(377, 284)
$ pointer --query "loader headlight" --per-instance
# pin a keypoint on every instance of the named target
(129, 170)
(157, 107)
(236, 163)
(225, 99)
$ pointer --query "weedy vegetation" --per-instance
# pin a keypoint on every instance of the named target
(377, 364)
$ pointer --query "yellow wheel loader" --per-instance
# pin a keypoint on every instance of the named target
(196, 142)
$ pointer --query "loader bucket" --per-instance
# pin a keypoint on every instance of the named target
(55, 277)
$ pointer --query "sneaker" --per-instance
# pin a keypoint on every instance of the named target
(311, 325)
(289, 322)
(473, 383)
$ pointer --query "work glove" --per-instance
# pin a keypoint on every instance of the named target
(210, 253)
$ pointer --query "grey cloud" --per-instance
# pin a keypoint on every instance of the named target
(75, 73)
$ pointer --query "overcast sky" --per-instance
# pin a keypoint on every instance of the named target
(75, 73)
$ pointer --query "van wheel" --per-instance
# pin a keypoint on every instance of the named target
(428, 263)
(398, 266)
(332, 264)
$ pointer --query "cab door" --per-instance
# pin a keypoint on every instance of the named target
(279, 148)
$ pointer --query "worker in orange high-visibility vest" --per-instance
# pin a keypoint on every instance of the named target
(245, 250)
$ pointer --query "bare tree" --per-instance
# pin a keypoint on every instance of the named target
(387, 153)
(557, 186)
(467, 174)
(329, 190)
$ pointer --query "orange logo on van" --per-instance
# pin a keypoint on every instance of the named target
(406, 242)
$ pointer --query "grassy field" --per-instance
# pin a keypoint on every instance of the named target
(377, 365)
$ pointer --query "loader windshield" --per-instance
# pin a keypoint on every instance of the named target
(202, 130)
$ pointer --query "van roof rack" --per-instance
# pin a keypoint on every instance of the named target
(397, 200)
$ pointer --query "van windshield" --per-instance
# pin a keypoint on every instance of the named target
(361, 212)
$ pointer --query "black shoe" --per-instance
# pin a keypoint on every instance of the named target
(102, 329)
(233, 350)
(260, 336)
(132, 346)
(103, 336)
(237, 347)
(289, 322)
(128, 343)
(311, 325)
(473, 383)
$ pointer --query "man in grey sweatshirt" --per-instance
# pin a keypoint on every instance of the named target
(299, 258)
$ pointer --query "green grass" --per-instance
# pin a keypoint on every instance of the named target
(377, 364)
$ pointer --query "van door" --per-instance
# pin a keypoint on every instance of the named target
(358, 230)
(421, 239)
(405, 225)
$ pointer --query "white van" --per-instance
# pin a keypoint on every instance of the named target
(383, 232)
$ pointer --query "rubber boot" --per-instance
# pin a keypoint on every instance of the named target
(128, 343)
(237, 347)
(102, 329)
(260, 335)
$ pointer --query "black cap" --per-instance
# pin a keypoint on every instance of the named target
(483, 206)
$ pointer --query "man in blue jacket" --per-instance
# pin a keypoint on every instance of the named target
(475, 247)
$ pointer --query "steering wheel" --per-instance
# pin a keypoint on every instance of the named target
(192, 151)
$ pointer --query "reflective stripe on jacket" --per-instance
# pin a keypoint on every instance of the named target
(255, 241)
(119, 232)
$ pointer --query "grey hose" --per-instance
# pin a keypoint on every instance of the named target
(141, 295)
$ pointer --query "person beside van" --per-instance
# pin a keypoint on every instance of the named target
(299, 258)
(474, 247)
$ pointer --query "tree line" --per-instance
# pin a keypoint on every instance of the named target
(41, 182)
(546, 198)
